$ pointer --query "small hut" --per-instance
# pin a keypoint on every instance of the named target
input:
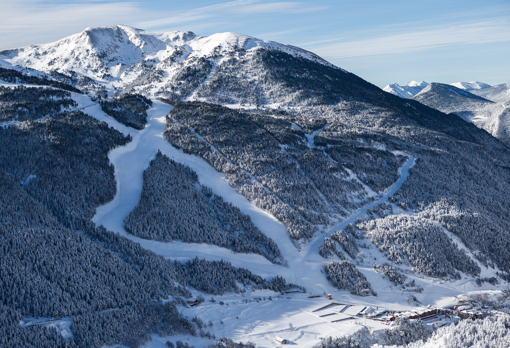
(280, 340)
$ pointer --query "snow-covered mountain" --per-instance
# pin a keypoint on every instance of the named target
(492, 116)
(408, 91)
(167, 64)
(443, 90)
(413, 88)
(472, 85)
(102, 51)
(498, 93)
(236, 169)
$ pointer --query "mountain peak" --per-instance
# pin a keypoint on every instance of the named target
(109, 51)
(472, 85)
(421, 84)
(408, 91)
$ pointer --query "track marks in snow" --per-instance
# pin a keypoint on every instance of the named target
(130, 162)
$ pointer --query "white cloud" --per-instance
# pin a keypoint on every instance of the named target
(418, 40)
(26, 22)
(195, 14)
(275, 7)
(228, 8)
(31, 22)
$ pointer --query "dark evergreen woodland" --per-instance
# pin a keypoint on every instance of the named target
(22, 103)
(128, 109)
(270, 161)
(344, 276)
(54, 172)
(62, 162)
(16, 77)
(218, 277)
(174, 206)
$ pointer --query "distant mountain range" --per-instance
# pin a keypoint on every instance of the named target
(447, 98)
(498, 93)
(412, 88)
(477, 102)
(468, 86)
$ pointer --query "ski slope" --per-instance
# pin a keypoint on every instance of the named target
(312, 248)
(305, 266)
(131, 161)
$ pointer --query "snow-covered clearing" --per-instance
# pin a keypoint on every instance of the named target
(7, 124)
(62, 325)
(260, 320)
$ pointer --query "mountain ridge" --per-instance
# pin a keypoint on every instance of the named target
(491, 115)
(448, 89)
(409, 90)
(471, 85)
(412, 88)
(109, 42)
(497, 93)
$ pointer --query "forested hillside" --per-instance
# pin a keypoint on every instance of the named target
(129, 109)
(272, 163)
(22, 103)
(174, 206)
(54, 172)
(278, 166)
(16, 77)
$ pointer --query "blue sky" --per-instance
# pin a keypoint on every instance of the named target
(381, 41)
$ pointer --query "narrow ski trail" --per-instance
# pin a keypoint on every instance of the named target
(131, 160)
(314, 245)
